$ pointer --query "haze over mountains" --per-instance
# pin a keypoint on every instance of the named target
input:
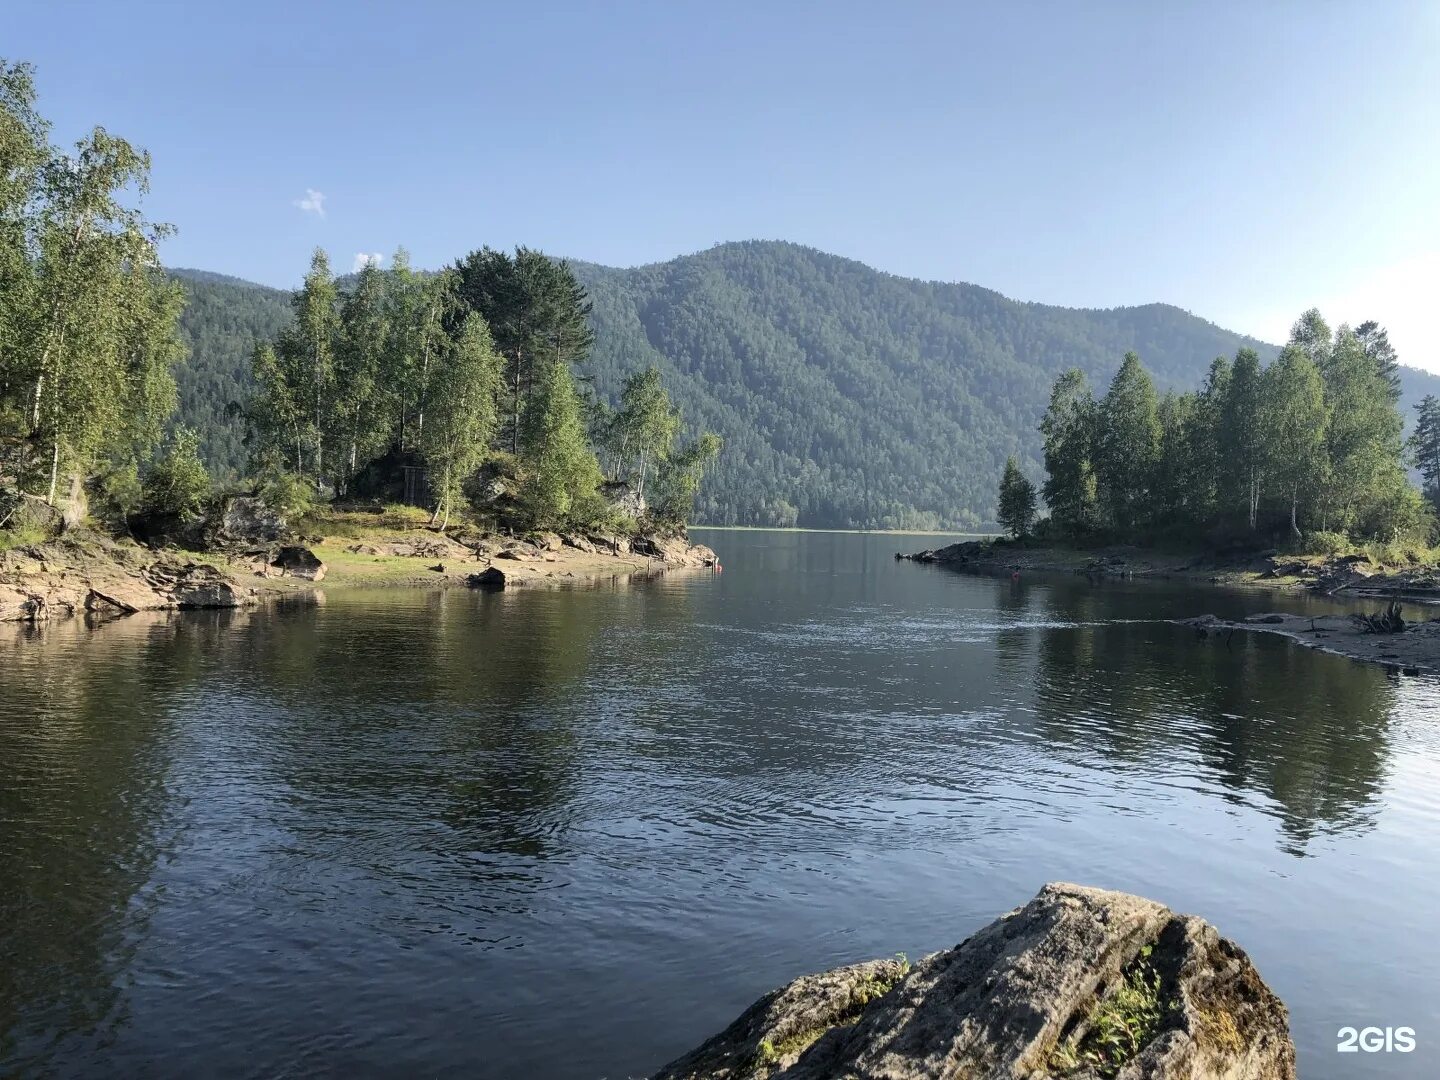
(847, 397)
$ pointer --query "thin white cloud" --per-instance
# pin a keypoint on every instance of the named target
(364, 259)
(313, 202)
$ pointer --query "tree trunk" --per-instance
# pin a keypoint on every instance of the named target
(54, 470)
(1294, 511)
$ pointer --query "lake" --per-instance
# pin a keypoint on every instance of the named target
(571, 833)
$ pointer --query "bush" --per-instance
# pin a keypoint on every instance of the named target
(1329, 544)
(290, 495)
(177, 487)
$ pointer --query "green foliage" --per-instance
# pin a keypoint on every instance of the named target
(1017, 500)
(292, 495)
(561, 475)
(177, 486)
(461, 418)
(87, 323)
(1120, 1026)
(1127, 446)
(1311, 441)
(680, 477)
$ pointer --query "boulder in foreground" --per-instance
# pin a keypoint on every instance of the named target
(1079, 983)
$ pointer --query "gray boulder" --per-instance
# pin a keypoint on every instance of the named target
(247, 519)
(490, 578)
(1040, 992)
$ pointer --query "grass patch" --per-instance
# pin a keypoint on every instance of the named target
(23, 536)
(771, 1053)
(1119, 1026)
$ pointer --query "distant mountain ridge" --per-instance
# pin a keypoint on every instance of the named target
(847, 397)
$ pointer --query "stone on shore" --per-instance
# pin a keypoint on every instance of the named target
(296, 561)
(1024, 998)
(490, 578)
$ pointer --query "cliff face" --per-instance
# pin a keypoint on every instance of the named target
(1079, 983)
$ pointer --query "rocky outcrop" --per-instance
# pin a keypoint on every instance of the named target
(673, 550)
(1080, 982)
(1411, 648)
(246, 519)
(298, 562)
(57, 591)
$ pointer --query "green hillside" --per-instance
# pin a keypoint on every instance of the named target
(847, 397)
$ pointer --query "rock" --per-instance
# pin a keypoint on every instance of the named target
(490, 578)
(511, 553)
(547, 541)
(1270, 618)
(622, 498)
(579, 543)
(247, 519)
(613, 545)
(199, 585)
(1021, 999)
(296, 561)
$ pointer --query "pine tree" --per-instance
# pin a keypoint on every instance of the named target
(562, 477)
(1016, 511)
(1424, 444)
(1129, 444)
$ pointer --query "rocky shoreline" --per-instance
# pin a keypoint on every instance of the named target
(1347, 575)
(86, 574)
(1078, 983)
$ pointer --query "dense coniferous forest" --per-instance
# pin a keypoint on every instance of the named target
(846, 397)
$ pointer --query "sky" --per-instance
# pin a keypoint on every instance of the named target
(1243, 161)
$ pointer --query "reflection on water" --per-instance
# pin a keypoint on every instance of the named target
(570, 833)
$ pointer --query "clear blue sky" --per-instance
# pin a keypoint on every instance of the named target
(1241, 160)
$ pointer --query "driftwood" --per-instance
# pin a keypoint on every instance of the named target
(1389, 622)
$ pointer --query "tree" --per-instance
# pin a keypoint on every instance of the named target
(419, 310)
(1129, 444)
(358, 419)
(538, 313)
(1294, 416)
(679, 479)
(643, 431)
(1205, 451)
(1376, 343)
(1069, 432)
(1365, 436)
(177, 486)
(466, 381)
(562, 477)
(1242, 435)
(297, 375)
(87, 325)
(1424, 444)
(1017, 500)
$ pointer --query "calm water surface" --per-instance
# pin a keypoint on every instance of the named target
(570, 833)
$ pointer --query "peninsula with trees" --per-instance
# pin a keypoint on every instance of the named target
(444, 412)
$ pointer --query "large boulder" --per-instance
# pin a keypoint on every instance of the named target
(490, 578)
(1080, 983)
(247, 519)
(296, 561)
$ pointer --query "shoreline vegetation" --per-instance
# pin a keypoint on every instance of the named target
(458, 404)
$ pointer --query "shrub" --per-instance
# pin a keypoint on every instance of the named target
(177, 487)
(292, 496)
(1329, 544)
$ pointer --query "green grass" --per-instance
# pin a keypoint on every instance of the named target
(1120, 1026)
(24, 536)
(770, 1053)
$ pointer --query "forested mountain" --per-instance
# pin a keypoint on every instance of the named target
(845, 396)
